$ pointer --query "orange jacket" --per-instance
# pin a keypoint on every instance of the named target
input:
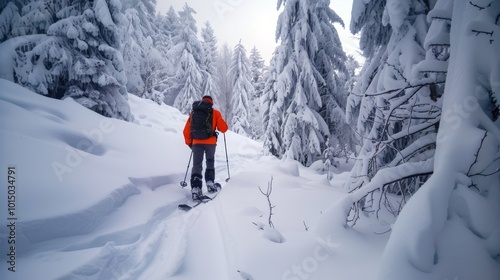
(217, 123)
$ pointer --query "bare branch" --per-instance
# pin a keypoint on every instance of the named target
(305, 226)
(479, 7)
(476, 159)
(267, 194)
(409, 86)
(476, 155)
(479, 32)
(441, 18)
(399, 72)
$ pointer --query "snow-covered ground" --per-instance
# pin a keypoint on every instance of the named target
(96, 198)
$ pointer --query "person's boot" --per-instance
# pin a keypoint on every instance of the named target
(209, 177)
(196, 184)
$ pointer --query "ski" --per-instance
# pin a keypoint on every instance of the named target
(204, 199)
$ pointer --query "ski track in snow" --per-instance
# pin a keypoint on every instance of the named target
(154, 247)
(159, 248)
(122, 253)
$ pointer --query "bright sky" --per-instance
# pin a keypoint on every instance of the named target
(252, 21)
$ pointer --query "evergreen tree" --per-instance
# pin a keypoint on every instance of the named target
(133, 51)
(242, 87)
(148, 7)
(75, 54)
(186, 84)
(330, 62)
(167, 27)
(223, 81)
(257, 69)
(349, 139)
(273, 106)
(156, 66)
(209, 66)
(9, 15)
(310, 70)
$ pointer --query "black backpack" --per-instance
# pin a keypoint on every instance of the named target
(201, 120)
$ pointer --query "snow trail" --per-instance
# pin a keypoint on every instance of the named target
(128, 253)
(228, 242)
(169, 243)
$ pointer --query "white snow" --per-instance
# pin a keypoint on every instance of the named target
(96, 198)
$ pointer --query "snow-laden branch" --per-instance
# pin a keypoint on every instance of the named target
(408, 86)
(346, 211)
(422, 143)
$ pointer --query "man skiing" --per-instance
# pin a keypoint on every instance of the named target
(200, 136)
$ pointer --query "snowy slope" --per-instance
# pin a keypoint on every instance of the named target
(96, 198)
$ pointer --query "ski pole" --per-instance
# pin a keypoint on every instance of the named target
(183, 183)
(227, 160)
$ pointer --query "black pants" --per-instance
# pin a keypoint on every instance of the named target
(207, 150)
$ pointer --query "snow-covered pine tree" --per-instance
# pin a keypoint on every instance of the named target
(156, 66)
(133, 50)
(97, 77)
(9, 15)
(25, 42)
(186, 84)
(241, 78)
(157, 80)
(309, 66)
(224, 81)
(397, 118)
(330, 62)
(36, 17)
(209, 67)
(257, 68)
(169, 26)
(452, 221)
(138, 45)
(150, 34)
(76, 53)
(148, 7)
(350, 140)
(273, 105)
(352, 66)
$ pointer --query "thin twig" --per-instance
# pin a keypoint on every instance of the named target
(267, 194)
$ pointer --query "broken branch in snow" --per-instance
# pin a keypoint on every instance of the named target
(479, 7)
(479, 32)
